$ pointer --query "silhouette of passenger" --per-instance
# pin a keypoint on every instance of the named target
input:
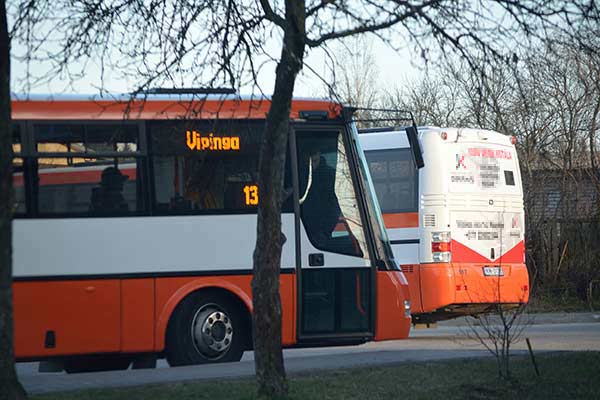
(320, 206)
(108, 198)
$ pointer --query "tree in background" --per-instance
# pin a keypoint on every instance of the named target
(10, 387)
(432, 100)
(354, 75)
(207, 43)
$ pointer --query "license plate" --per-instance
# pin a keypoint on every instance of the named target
(493, 271)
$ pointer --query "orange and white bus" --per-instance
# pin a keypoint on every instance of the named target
(135, 224)
(455, 225)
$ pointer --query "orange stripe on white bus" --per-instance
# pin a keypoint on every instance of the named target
(401, 220)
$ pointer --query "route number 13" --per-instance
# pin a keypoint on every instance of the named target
(251, 192)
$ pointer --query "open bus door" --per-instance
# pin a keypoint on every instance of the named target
(335, 276)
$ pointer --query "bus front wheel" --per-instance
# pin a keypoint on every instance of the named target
(205, 328)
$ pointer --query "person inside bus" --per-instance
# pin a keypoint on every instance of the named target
(108, 197)
(200, 175)
(319, 203)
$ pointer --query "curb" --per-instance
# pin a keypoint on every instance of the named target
(541, 319)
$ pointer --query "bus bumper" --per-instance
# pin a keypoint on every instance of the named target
(393, 306)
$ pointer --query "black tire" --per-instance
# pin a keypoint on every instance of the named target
(206, 327)
(97, 363)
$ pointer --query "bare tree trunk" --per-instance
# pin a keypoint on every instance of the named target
(592, 136)
(10, 388)
(268, 357)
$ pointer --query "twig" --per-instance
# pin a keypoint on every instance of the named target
(537, 371)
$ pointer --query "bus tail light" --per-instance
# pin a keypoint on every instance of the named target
(513, 140)
(437, 247)
(441, 249)
(444, 135)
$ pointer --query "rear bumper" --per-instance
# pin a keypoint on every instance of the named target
(463, 289)
(461, 310)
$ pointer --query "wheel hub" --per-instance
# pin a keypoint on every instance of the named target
(212, 332)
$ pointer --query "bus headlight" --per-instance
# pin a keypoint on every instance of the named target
(407, 308)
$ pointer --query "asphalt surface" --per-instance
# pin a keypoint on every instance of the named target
(450, 340)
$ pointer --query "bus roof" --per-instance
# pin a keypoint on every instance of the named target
(395, 137)
(157, 107)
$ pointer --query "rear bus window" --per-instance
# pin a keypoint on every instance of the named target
(509, 178)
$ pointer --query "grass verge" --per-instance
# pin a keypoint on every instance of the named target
(563, 376)
(547, 301)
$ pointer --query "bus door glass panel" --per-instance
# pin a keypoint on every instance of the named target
(80, 171)
(335, 274)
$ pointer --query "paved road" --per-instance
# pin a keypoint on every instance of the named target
(444, 342)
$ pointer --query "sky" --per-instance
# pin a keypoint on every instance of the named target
(393, 68)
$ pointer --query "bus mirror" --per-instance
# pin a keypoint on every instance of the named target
(411, 133)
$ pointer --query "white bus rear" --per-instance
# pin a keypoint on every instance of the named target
(456, 225)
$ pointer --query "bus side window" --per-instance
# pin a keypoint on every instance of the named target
(395, 179)
(205, 166)
(75, 179)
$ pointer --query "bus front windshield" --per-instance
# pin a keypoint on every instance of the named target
(383, 249)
